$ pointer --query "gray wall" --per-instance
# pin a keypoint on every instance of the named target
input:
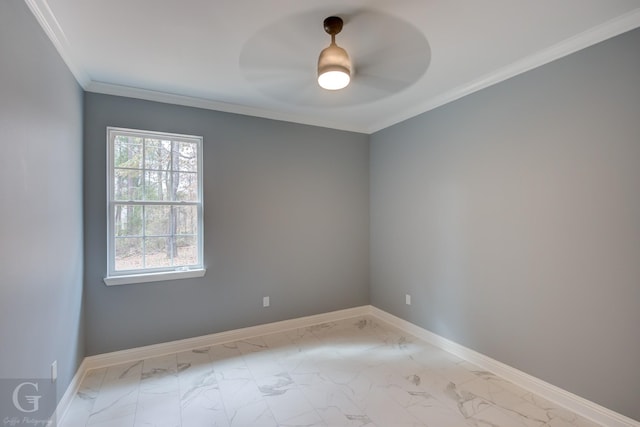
(286, 215)
(41, 197)
(512, 216)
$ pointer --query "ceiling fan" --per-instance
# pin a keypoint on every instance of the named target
(385, 56)
(334, 64)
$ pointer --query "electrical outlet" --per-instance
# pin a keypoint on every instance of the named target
(407, 299)
(54, 371)
(265, 302)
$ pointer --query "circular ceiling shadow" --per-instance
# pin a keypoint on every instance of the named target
(388, 55)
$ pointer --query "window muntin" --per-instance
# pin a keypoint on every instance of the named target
(154, 202)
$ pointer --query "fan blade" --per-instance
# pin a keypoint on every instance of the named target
(394, 50)
(388, 55)
(387, 85)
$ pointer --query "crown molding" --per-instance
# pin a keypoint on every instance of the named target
(51, 27)
(209, 104)
(597, 34)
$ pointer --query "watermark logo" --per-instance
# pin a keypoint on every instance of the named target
(27, 402)
(33, 400)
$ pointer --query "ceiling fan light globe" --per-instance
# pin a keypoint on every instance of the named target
(334, 80)
(334, 68)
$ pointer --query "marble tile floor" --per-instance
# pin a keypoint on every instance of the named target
(356, 372)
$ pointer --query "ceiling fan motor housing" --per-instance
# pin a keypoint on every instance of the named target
(334, 58)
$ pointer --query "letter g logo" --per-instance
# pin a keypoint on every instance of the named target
(33, 400)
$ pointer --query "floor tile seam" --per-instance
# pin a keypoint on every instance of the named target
(520, 417)
(508, 411)
(448, 403)
(486, 407)
(228, 409)
(406, 408)
(255, 383)
(93, 401)
(222, 400)
(313, 408)
(94, 413)
(458, 403)
(399, 404)
(179, 397)
(135, 412)
(503, 408)
(549, 412)
(431, 370)
(90, 411)
(311, 404)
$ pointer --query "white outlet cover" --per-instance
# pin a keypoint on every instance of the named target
(265, 301)
(54, 371)
(407, 299)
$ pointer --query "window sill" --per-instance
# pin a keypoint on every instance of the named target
(153, 277)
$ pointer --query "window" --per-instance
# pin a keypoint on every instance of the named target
(154, 206)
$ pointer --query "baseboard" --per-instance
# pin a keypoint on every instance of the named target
(123, 356)
(563, 398)
(71, 391)
(114, 358)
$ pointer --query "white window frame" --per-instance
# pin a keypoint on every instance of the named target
(150, 274)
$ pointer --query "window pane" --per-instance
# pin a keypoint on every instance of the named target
(156, 171)
(157, 154)
(157, 220)
(186, 218)
(128, 220)
(187, 251)
(185, 156)
(158, 252)
(128, 254)
(186, 186)
(157, 185)
(127, 184)
(127, 152)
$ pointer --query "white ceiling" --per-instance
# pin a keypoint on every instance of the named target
(259, 57)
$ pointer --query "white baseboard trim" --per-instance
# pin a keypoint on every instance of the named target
(67, 397)
(131, 355)
(563, 398)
